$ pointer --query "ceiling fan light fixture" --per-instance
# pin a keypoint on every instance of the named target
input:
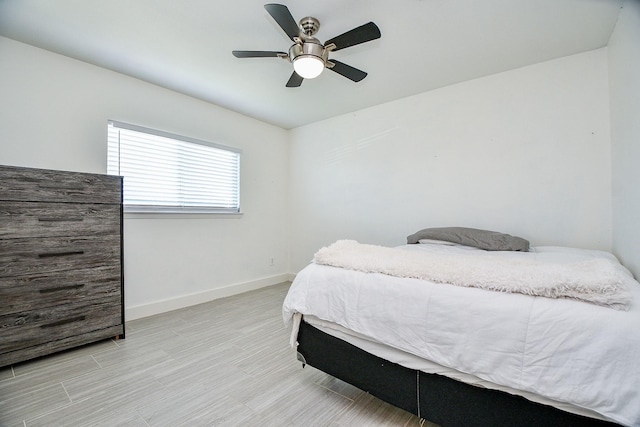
(308, 58)
(308, 66)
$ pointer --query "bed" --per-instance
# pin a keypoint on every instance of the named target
(463, 334)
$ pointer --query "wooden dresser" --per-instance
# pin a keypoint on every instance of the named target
(61, 280)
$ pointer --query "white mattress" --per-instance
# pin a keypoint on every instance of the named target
(573, 355)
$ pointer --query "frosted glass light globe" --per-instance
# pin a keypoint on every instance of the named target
(308, 66)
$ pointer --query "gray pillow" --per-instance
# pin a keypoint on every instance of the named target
(482, 239)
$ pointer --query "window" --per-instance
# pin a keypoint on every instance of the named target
(170, 173)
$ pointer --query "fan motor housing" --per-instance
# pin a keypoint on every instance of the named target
(311, 47)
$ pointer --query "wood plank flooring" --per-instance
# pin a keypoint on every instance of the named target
(223, 363)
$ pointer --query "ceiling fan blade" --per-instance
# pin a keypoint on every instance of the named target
(361, 34)
(348, 71)
(257, 54)
(295, 80)
(280, 13)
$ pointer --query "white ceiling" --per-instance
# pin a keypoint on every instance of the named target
(426, 44)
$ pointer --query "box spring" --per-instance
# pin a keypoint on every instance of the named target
(433, 397)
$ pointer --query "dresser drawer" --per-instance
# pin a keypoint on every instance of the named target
(35, 219)
(30, 328)
(20, 257)
(32, 292)
(43, 185)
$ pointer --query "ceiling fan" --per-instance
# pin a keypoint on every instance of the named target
(308, 55)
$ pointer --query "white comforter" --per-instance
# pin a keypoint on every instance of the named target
(569, 351)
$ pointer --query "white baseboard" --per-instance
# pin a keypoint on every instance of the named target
(157, 307)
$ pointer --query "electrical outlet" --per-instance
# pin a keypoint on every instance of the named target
(272, 263)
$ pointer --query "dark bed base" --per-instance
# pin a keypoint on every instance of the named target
(436, 398)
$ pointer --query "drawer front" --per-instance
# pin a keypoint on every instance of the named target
(26, 329)
(35, 219)
(53, 346)
(42, 185)
(20, 257)
(26, 293)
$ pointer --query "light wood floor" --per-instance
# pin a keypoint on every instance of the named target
(224, 363)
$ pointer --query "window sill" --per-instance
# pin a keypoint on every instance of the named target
(180, 214)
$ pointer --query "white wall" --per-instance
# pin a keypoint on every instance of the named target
(624, 81)
(53, 114)
(526, 152)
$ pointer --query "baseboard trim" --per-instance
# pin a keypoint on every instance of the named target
(157, 307)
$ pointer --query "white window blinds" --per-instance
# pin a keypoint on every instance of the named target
(171, 173)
